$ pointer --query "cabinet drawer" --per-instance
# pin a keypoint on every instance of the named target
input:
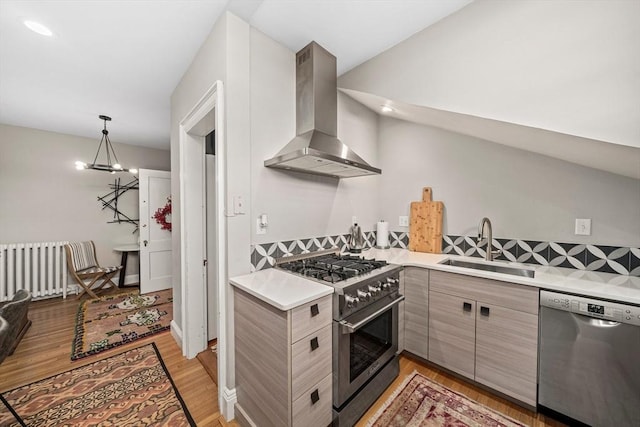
(310, 317)
(504, 294)
(314, 407)
(311, 360)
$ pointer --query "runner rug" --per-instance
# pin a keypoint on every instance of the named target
(130, 389)
(418, 401)
(113, 320)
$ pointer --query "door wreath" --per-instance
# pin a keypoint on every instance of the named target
(161, 216)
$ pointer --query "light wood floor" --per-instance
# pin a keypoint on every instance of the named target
(46, 347)
(45, 351)
(409, 364)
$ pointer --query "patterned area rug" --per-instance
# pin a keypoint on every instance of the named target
(131, 389)
(113, 320)
(418, 401)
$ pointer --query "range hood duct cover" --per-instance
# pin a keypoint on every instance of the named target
(316, 149)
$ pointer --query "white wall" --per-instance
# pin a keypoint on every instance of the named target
(224, 56)
(526, 195)
(44, 198)
(300, 205)
(208, 66)
(567, 66)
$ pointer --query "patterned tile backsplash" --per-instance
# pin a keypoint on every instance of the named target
(264, 255)
(607, 259)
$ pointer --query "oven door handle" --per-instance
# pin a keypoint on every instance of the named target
(352, 327)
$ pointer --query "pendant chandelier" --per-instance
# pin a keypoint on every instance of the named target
(109, 166)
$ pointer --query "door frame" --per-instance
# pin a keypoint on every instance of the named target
(193, 129)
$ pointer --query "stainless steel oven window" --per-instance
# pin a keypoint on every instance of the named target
(346, 381)
(369, 343)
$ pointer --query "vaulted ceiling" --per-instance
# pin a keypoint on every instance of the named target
(124, 58)
(484, 71)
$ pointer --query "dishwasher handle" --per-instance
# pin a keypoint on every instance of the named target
(595, 321)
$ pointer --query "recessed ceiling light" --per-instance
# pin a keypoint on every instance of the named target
(386, 109)
(37, 27)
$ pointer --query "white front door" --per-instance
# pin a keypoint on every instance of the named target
(155, 241)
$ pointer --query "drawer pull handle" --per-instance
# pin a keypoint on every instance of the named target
(484, 311)
(466, 306)
(315, 397)
(314, 310)
(314, 343)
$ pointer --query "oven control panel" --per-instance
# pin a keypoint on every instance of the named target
(364, 293)
(606, 310)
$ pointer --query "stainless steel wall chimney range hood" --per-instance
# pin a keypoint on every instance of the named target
(316, 149)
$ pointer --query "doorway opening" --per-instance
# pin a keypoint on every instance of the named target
(203, 235)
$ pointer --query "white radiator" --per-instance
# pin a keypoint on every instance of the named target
(38, 267)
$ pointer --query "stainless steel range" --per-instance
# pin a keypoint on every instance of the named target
(365, 325)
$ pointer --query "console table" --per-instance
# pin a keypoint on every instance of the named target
(125, 249)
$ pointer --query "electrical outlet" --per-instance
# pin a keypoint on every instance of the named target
(403, 221)
(354, 220)
(583, 226)
(238, 205)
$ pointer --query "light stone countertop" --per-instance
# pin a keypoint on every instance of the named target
(285, 290)
(594, 284)
(281, 289)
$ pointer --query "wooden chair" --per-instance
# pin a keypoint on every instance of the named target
(83, 265)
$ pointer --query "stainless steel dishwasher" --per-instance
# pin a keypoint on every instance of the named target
(590, 359)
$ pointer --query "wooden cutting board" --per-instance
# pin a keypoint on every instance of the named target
(425, 224)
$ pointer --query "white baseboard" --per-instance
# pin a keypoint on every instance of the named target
(228, 403)
(176, 333)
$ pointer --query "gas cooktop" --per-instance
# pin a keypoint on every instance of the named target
(332, 268)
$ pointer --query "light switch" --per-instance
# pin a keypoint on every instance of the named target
(260, 228)
(583, 226)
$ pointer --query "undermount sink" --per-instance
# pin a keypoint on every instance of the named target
(494, 268)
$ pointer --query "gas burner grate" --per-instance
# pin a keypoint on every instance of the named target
(332, 278)
(332, 268)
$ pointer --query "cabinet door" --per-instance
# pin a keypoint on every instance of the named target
(452, 332)
(416, 311)
(506, 351)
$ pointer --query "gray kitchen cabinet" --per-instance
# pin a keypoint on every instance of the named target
(416, 311)
(485, 330)
(452, 333)
(401, 315)
(283, 362)
(506, 351)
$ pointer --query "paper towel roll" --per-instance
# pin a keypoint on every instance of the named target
(382, 235)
